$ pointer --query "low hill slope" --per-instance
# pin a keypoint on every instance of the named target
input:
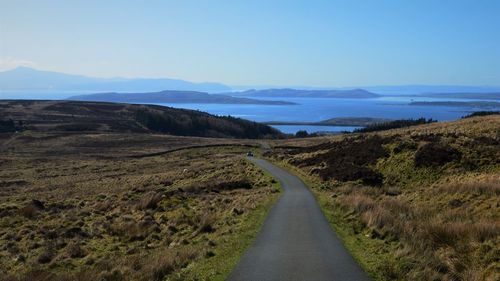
(417, 203)
(75, 116)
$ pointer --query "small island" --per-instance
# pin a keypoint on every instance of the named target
(338, 121)
(174, 97)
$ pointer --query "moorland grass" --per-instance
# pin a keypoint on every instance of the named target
(431, 219)
(102, 216)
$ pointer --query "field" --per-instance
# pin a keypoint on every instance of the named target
(110, 202)
(420, 203)
(96, 206)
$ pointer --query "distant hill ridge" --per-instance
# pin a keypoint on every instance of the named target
(24, 78)
(288, 92)
(32, 82)
(174, 97)
(80, 116)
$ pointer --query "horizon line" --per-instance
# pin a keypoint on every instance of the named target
(256, 86)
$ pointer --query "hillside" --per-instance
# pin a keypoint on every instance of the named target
(297, 93)
(28, 79)
(77, 116)
(173, 97)
(99, 206)
(417, 203)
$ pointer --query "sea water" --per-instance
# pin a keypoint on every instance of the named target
(318, 109)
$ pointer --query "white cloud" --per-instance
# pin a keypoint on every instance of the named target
(7, 63)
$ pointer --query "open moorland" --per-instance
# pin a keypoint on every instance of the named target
(106, 216)
(115, 205)
(82, 116)
(419, 203)
(90, 195)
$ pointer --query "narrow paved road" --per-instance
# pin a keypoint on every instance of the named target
(296, 242)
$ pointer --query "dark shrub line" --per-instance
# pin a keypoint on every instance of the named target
(394, 125)
(8, 126)
(203, 125)
(481, 113)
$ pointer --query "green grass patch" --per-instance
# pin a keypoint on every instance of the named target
(374, 255)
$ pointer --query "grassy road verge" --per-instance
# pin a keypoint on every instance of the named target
(366, 251)
(418, 203)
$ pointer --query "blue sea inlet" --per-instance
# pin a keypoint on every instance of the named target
(318, 109)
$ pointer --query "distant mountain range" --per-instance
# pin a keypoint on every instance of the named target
(28, 79)
(174, 97)
(388, 90)
(297, 93)
(28, 83)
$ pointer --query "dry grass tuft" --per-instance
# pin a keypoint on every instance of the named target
(437, 209)
(489, 186)
(359, 202)
(150, 201)
(73, 250)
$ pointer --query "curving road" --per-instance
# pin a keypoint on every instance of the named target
(296, 242)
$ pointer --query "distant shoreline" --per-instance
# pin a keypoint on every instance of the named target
(178, 97)
(479, 104)
(278, 123)
(338, 122)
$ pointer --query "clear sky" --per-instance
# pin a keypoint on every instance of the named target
(309, 43)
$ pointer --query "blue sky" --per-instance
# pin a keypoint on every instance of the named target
(285, 43)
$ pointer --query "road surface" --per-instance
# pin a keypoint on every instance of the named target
(296, 242)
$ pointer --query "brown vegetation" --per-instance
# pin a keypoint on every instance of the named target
(345, 160)
(76, 207)
(80, 116)
(435, 213)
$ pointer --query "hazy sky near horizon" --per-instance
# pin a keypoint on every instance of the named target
(308, 43)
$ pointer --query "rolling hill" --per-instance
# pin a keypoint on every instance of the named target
(297, 93)
(414, 203)
(173, 97)
(28, 79)
(78, 116)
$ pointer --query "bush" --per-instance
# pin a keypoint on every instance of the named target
(352, 172)
(73, 250)
(31, 209)
(7, 126)
(46, 256)
(481, 113)
(150, 201)
(206, 223)
(301, 134)
(436, 154)
(394, 125)
(346, 160)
